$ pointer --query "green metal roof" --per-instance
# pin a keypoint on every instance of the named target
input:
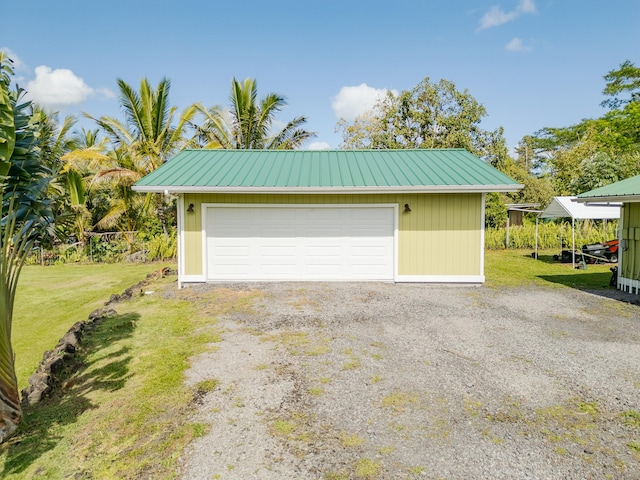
(326, 171)
(623, 191)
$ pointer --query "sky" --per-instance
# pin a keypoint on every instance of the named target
(531, 63)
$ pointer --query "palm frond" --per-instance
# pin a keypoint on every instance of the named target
(120, 175)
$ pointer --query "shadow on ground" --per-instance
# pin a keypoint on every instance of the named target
(596, 283)
(37, 433)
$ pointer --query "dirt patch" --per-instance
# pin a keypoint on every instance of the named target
(381, 381)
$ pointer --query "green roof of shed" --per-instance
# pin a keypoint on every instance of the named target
(625, 190)
(326, 171)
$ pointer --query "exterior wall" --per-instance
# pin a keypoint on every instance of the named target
(629, 274)
(442, 236)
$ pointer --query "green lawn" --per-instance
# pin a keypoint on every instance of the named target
(51, 299)
(518, 268)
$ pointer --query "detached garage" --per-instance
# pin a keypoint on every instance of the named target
(348, 215)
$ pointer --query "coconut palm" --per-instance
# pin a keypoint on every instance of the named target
(144, 141)
(76, 174)
(26, 214)
(248, 124)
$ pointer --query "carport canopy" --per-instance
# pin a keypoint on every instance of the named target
(562, 207)
(568, 207)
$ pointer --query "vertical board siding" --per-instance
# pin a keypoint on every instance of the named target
(630, 267)
(440, 236)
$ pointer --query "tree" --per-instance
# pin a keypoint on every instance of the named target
(77, 173)
(601, 169)
(625, 79)
(146, 139)
(25, 218)
(574, 154)
(248, 124)
(431, 115)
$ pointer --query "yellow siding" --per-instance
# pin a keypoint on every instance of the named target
(630, 267)
(440, 236)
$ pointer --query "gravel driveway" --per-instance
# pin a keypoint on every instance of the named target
(385, 381)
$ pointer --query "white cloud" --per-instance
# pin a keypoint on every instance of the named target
(496, 16)
(319, 146)
(59, 88)
(18, 65)
(353, 101)
(516, 45)
(527, 6)
(105, 92)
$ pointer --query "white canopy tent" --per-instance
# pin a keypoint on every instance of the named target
(563, 207)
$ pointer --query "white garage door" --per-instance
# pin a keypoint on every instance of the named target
(299, 243)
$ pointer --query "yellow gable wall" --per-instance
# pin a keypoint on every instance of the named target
(630, 267)
(440, 236)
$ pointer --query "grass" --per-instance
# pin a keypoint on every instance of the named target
(351, 440)
(514, 268)
(398, 401)
(51, 299)
(125, 410)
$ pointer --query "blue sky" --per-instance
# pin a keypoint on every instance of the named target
(531, 63)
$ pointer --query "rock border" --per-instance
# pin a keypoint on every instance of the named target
(57, 364)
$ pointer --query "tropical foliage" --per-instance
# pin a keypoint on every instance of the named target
(26, 218)
(93, 170)
(144, 141)
(592, 152)
(249, 123)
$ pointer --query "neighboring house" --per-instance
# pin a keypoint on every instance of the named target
(387, 215)
(628, 193)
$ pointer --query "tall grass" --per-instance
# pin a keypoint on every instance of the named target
(550, 234)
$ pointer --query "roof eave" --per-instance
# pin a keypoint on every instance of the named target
(610, 199)
(329, 190)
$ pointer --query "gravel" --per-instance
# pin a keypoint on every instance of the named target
(403, 381)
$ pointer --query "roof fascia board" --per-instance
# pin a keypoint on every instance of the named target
(329, 190)
(610, 199)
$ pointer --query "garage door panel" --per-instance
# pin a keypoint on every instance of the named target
(232, 251)
(368, 251)
(323, 251)
(276, 232)
(239, 231)
(299, 243)
(276, 251)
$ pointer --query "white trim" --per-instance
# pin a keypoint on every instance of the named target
(629, 285)
(205, 206)
(332, 190)
(482, 220)
(180, 221)
(440, 278)
(616, 199)
(190, 279)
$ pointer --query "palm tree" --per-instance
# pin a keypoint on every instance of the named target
(248, 124)
(145, 140)
(26, 214)
(76, 174)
